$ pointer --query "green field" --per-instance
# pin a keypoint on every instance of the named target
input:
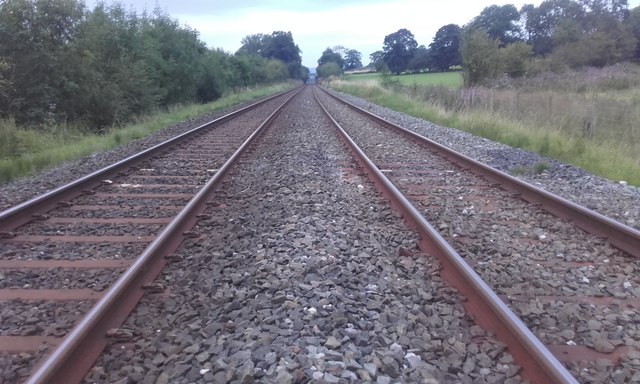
(447, 79)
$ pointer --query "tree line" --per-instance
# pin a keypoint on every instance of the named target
(503, 40)
(63, 63)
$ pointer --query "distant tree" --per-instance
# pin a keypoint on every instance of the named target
(330, 56)
(445, 48)
(254, 44)
(281, 46)
(329, 69)
(421, 60)
(352, 59)
(499, 22)
(398, 49)
(278, 45)
(550, 18)
(377, 60)
(481, 59)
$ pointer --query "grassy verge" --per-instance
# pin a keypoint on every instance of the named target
(445, 79)
(615, 159)
(26, 151)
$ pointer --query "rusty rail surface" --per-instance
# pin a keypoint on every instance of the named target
(489, 311)
(23, 213)
(74, 357)
(619, 235)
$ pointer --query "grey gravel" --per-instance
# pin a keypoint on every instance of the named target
(308, 274)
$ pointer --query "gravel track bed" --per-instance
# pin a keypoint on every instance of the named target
(607, 197)
(59, 278)
(142, 188)
(141, 179)
(70, 251)
(22, 318)
(24, 189)
(301, 279)
(14, 366)
(495, 239)
(86, 229)
(149, 202)
(122, 212)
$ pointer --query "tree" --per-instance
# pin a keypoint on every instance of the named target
(633, 23)
(279, 45)
(481, 59)
(253, 44)
(445, 48)
(551, 17)
(330, 56)
(499, 22)
(377, 60)
(516, 58)
(421, 60)
(398, 49)
(35, 35)
(282, 47)
(329, 69)
(352, 60)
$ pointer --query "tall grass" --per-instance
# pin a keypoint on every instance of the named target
(24, 151)
(447, 79)
(595, 128)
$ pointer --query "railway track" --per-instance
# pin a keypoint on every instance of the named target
(575, 290)
(63, 250)
(296, 269)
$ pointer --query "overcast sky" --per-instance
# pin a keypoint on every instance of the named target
(315, 25)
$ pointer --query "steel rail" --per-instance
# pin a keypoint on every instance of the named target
(618, 234)
(538, 363)
(75, 356)
(22, 213)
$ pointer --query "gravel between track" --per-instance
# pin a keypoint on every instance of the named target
(301, 277)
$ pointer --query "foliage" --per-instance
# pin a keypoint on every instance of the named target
(330, 56)
(445, 48)
(377, 60)
(35, 38)
(499, 22)
(352, 60)
(329, 69)
(278, 45)
(398, 50)
(62, 64)
(481, 59)
(515, 59)
(633, 23)
(422, 60)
